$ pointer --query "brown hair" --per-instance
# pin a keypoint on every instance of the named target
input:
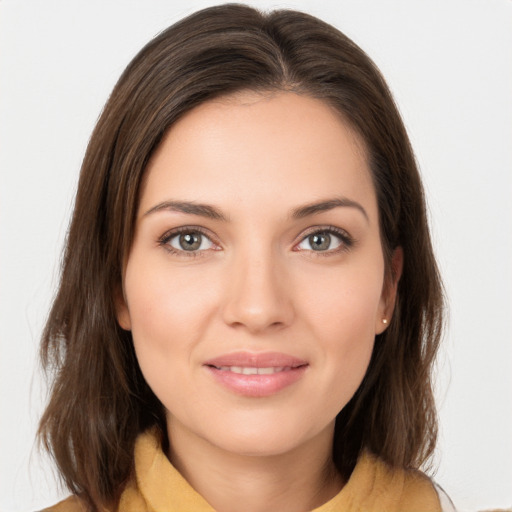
(99, 400)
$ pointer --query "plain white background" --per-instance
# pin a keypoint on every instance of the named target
(449, 64)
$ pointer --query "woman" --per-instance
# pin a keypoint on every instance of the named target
(249, 305)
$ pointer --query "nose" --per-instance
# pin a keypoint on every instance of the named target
(259, 294)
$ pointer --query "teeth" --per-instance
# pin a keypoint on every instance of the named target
(254, 371)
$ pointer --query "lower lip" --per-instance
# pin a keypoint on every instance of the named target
(257, 385)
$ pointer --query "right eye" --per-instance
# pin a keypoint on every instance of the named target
(187, 242)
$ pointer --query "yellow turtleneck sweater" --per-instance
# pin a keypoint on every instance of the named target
(372, 487)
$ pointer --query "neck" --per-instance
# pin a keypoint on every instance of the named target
(301, 479)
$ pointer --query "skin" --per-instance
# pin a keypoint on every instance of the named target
(256, 284)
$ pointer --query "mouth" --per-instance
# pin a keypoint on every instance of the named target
(251, 370)
(256, 375)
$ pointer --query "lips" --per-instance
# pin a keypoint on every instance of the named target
(250, 370)
(256, 375)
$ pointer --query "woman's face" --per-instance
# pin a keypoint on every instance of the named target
(255, 284)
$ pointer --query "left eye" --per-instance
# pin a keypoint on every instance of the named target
(190, 241)
(321, 241)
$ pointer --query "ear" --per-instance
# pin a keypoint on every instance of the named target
(389, 290)
(122, 311)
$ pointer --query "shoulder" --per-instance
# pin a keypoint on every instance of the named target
(403, 489)
(415, 481)
(71, 504)
(446, 503)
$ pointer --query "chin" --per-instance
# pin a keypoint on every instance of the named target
(263, 439)
(258, 446)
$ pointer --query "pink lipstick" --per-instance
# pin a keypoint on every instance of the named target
(256, 374)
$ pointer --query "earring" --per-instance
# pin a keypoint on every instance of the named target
(384, 321)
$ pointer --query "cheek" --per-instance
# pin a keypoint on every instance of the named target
(166, 324)
(341, 314)
(344, 306)
(169, 314)
(161, 302)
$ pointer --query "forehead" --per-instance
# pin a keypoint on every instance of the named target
(256, 149)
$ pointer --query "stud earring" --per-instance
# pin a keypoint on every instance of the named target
(384, 321)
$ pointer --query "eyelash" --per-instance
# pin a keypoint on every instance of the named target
(169, 235)
(347, 241)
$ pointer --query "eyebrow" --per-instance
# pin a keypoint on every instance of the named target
(203, 210)
(329, 204)
(211, 212)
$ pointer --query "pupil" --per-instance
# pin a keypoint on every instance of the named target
(190, 241)
(320, 242)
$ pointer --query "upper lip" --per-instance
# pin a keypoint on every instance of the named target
(256, 360)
